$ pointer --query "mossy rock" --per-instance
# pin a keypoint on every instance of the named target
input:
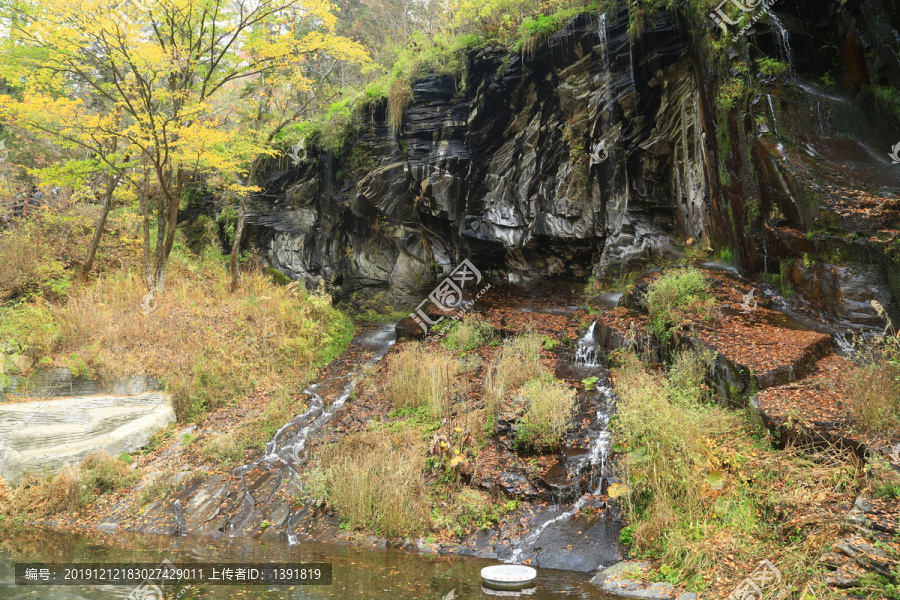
(278, 278)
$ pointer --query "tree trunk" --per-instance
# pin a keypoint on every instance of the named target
(236, 246)
(111, 182)
(145, 213)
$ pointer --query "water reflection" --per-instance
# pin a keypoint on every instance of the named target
(358, 572)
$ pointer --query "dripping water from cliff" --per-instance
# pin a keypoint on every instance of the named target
(784, 37)
(286, 450)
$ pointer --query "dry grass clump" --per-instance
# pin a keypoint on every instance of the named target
(375, 481)
(549, 409)
(209, 345)
(471, 332)
(664, 439)
(37, 497)
(517, 361)
(873, 393)
(419, 376)
(873, 398)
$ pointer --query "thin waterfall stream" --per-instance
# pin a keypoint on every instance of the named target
(287, 448)
(586, 362)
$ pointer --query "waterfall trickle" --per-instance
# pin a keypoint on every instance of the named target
(287, 448)
(586, 351)
(604, 39)
(599, 461)
(774, 117)
(784, 37)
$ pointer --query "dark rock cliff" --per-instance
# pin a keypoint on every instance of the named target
(598, 152)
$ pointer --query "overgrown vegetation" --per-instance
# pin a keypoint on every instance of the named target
(36, 497)
(703, 491)
(419, 376)
(549, 408)
(873, 394)
(676, 296)
(517, 361)
(209, 346)
(469, 333)
(375, 480)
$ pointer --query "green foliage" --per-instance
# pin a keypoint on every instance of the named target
(731, 93)
(674, 297)
(590, 383)
(549, 409)
(469, 333)
(770, 67)
(28, 327)
(885, 98)
(535, 29)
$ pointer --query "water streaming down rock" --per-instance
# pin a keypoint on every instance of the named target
(586, 350)
(601, 472)
(774, 117)
(597, 467)
(784, 36)
(180, 522)
(287, 448)
(604, 40)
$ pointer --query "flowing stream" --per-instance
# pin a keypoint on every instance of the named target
(359, 573)
(287, 448)
(586, 364)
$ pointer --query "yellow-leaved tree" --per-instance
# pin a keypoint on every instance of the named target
(150, 90)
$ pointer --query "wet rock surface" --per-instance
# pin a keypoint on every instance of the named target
(45, 437)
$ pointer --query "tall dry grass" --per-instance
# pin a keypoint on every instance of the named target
(517, 361)
(210, 346)
(663, 435)
(36, 497)
(549, 409)
(420, 376)
(375, 481)
(873, 398)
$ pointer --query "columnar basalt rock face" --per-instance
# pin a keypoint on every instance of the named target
(537, 165)
(589, 155)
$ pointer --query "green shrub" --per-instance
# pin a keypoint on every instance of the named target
(731, 93)
(675, 296)
(471, 332)
(549, 409)
(28, 327)
(770, 67)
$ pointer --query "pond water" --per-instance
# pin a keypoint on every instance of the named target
(358, 572)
